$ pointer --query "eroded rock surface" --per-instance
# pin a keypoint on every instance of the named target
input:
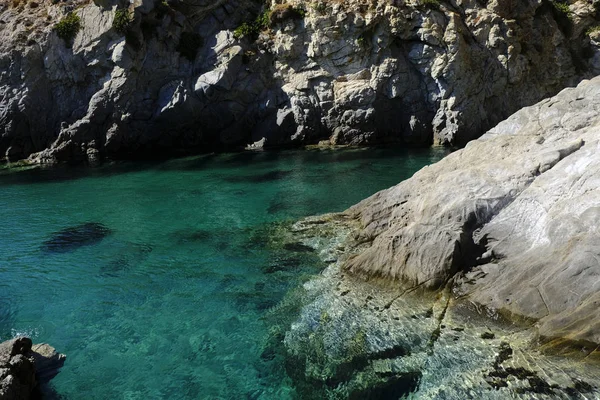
(510, 221)
(352, 72)
(357, 339)
(24, 366)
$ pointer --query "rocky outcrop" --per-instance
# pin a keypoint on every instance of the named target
(23, 367)
(175, 78)
(357, 339)
(510, 221)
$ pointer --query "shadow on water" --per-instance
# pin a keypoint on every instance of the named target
(74, 237)
(397, 387)
(33, 174)
(261, 178)
(65, 173)
(298, 248)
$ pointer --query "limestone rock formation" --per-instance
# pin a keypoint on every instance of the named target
(173, 77)
(381, 339)
(24, 366)
(511, 220)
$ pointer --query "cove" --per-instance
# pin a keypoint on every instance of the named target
(155, 278)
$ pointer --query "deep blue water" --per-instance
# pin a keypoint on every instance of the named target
(154, 279)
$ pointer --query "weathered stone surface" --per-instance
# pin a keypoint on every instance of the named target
(352, 72)
(23, 367)
(511, 219)
(377, 339)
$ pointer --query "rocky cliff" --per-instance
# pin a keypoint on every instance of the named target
(83, 80)
(468, 279)
(24, 367)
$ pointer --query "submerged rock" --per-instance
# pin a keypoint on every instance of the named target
(74, 237)
(24, 367)
(368, 339)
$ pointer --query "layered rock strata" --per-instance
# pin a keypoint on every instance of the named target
(171, 77)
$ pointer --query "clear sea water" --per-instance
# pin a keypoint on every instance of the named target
(170, 304)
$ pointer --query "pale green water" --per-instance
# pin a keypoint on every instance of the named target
(170, 304)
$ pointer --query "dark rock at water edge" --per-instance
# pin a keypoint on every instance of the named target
(74, 237)
(25, 367)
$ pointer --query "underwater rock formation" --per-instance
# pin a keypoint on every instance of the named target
(72, 238)
(357, 339)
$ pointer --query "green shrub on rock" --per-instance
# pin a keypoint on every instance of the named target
(592, 30)
(122, 20)
(68, 27)
(252, 29)
(320, 7)
(561, 6)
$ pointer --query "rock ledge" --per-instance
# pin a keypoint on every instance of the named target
(24, 366)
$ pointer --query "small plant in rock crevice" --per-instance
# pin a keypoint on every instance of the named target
(268, 18)
(283, 12)
(68, 27)
(592, 29)
(561, 6)
(562, 15)
(320, 7)
(252, 29)
(122, 21)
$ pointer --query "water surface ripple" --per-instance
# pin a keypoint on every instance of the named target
(154, 278)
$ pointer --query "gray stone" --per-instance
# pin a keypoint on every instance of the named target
(23, 367)
(351, 74)
(510, 221)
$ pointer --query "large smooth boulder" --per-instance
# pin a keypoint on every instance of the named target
(511, 220)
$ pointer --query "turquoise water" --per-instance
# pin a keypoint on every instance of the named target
(163, 293)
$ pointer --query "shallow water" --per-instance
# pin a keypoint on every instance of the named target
(154, 278)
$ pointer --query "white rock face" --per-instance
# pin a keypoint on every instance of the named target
(513, 219)
(351, 72)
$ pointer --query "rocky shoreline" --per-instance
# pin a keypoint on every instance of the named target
(376, 338)
(475, 277)
(25, 368)
(82, 81)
